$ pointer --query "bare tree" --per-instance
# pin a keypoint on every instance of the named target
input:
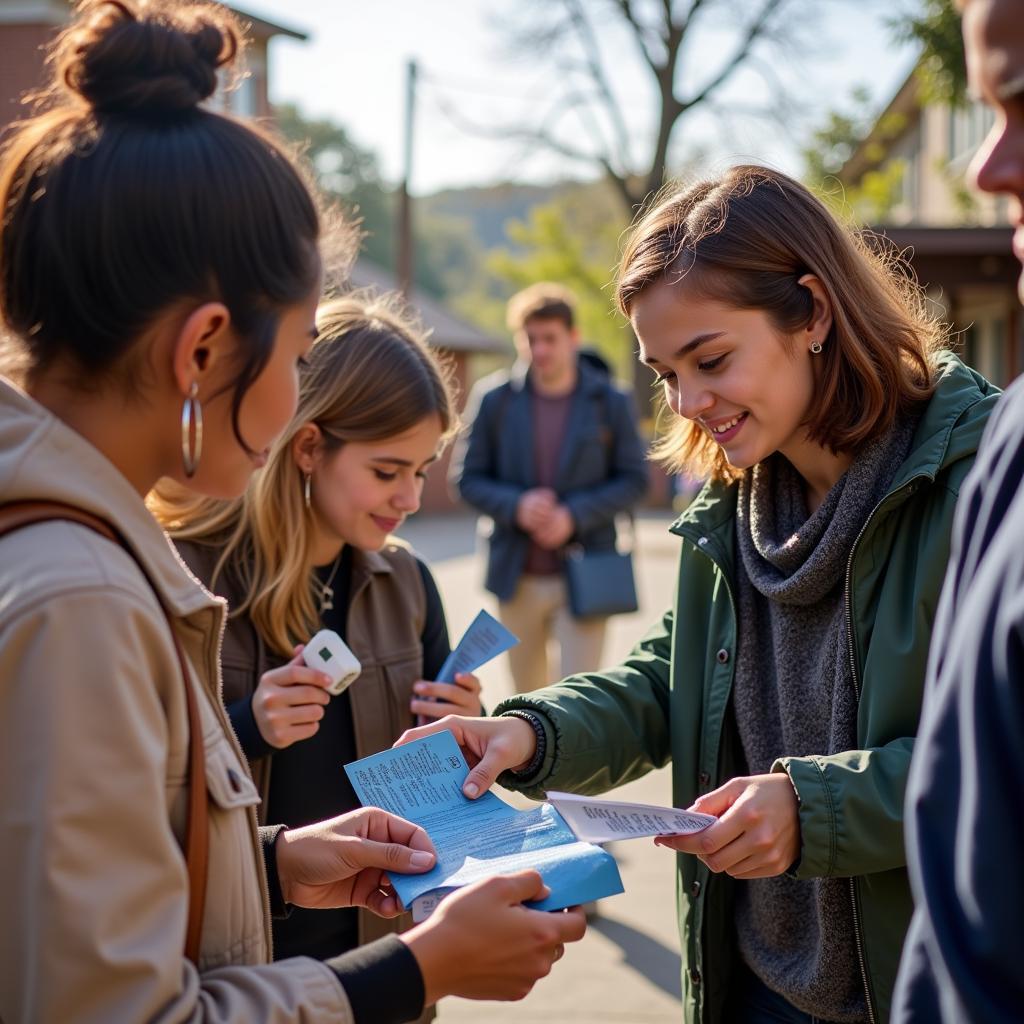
(665, 35)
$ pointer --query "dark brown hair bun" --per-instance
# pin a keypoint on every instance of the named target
(145, 57)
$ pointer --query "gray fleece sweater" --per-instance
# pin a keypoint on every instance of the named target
(793, 695)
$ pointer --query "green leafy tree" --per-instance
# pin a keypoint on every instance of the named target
(446, 252)
(834, 141)
(348, 173)
(573, 240)
(841, 134)
(935, 25)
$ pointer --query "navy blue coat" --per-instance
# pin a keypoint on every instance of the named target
(601, 468)
(965, 798)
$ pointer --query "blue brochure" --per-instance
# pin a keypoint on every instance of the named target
(485, 639)
(422, 782)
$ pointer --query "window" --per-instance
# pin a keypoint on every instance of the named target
(243, 99)
(986, 337)
(968, 126)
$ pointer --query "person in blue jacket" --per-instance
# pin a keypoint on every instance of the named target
(966, 790)
(552, 457)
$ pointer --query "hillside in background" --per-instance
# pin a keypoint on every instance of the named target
(488, 209)
(474, 247)
(512, 235)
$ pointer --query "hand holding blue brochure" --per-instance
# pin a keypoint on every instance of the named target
(422, 782)
(485, 639)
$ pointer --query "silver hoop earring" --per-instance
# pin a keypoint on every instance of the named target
(309, 489)
(816, 347)
(191, 431)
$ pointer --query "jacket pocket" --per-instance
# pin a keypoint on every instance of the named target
(233, 922)
(227, 780)
(399, 675)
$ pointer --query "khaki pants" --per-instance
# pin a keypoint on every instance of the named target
(538, 613)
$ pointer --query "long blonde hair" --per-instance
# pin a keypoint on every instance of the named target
(370, 376)
(744, 240)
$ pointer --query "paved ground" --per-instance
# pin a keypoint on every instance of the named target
(627, 967)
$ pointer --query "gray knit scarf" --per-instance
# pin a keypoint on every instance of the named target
(793, 695)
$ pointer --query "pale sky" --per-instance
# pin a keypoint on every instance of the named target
(352, 70)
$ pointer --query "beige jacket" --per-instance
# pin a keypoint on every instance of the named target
(93, 753)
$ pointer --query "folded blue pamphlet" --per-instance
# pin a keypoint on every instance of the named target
(485, 639)
(474, 839)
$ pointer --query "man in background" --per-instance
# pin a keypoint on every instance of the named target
(965, 797)
(552, 457)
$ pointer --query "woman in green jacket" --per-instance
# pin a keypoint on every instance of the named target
(806, 380)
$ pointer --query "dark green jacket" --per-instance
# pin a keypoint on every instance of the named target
(670, 700)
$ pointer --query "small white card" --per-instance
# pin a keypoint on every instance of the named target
(328, 653)
(602, 821)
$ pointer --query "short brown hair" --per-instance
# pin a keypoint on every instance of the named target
(541, 301)
(744, 240)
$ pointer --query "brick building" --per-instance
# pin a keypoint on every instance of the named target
(27, 26)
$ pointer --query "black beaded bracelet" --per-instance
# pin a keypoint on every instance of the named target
(542, 742)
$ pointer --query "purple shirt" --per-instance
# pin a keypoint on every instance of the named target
(550, 418)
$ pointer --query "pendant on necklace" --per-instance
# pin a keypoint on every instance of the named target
(326, 599)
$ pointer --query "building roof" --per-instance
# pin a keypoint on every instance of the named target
(446, 329)
(55, 12)
(872, 149)
(263, 27)
(951, 241)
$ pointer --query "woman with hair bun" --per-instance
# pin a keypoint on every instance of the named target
(160, 269)
(310, 546)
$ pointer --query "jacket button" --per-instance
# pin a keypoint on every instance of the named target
(695, 890)
(694, 976)
(236, 782)
(722, 656)
(704, 778)
(702, 542)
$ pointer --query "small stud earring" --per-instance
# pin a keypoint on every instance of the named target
(816, 347)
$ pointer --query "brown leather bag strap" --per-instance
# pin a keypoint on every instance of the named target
(15, 515)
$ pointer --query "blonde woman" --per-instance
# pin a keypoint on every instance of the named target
(311, 546)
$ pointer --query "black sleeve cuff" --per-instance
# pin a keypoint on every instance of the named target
(533, 766)
(383, 982)
(251, 740)
(269, 834)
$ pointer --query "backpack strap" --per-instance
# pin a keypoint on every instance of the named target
(14, 516)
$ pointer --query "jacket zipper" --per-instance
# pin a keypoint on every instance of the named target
(912, 484)
(857, 934)
(261, 871)
(702, 544)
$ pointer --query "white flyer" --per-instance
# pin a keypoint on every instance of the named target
(602, 821)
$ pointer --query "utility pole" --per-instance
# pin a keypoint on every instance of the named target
(404, 250)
